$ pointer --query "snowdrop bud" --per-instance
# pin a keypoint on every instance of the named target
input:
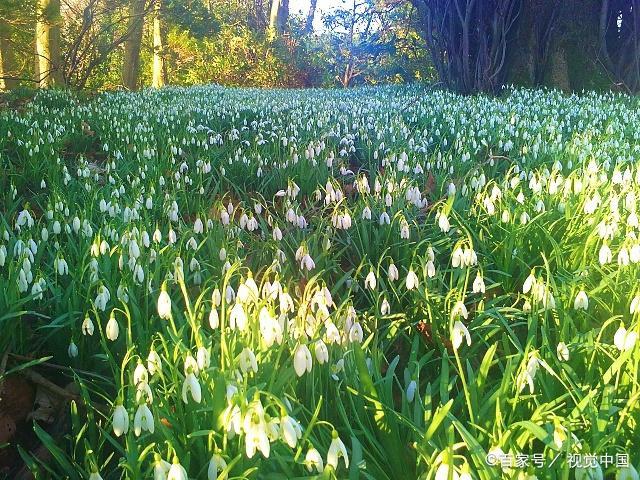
(355, 333)
(624, 340)
(113, 329)
(411, 390)
(302, 361)
(120, 421)
(385, 308)
(411, 280)
(164, 303)
(204, 358)
(321, 351)
(393, 273)
(140, 374)
(72, 350)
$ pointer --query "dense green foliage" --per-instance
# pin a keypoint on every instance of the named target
(432, 281)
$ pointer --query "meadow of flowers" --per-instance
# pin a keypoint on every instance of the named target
(379, 283)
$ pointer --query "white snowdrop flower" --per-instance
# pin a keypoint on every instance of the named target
(302, 361)
(446, 471)
(238, 317)
(140, 374)
(321, 351)
(332, 335)
(61, 267)
(384, 219)
(313, 460)
(177, 471)
(214, 319)
(370, 281)
(87, 326)
(443, 222)
(217, 464)
(355, 333)
(591, 472)
(290, 430)
(528, 283)
(457, 257)
(269, 327)
(24, 219)
(623, 257)
(164, 304)
(248, 362)
(404, 229)
(459, 309)
(478, 284)
(336, 451)
(605, 256)
(411, 281)
(191, 386)
(385, 308)
(581, 301)
(527, 375)
(628, 472)
(94, 474)
(255, 428)
(624, 339)
(563, 352)
(120, 421)
(458, 333)
(157, 236)
(393, 273)
(635, 305)
(143, 420)
(203, 356)
(198, 226)
(112, 329)
(154, 363)
(307, 263)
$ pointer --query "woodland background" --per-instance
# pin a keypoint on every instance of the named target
(468, 45)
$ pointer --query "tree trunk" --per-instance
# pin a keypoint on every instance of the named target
(560, 69)
(49, 72)
(273, 19)
(159, 68)
(308, 25)
(6, 58)
(131, 64)
(283, 16)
